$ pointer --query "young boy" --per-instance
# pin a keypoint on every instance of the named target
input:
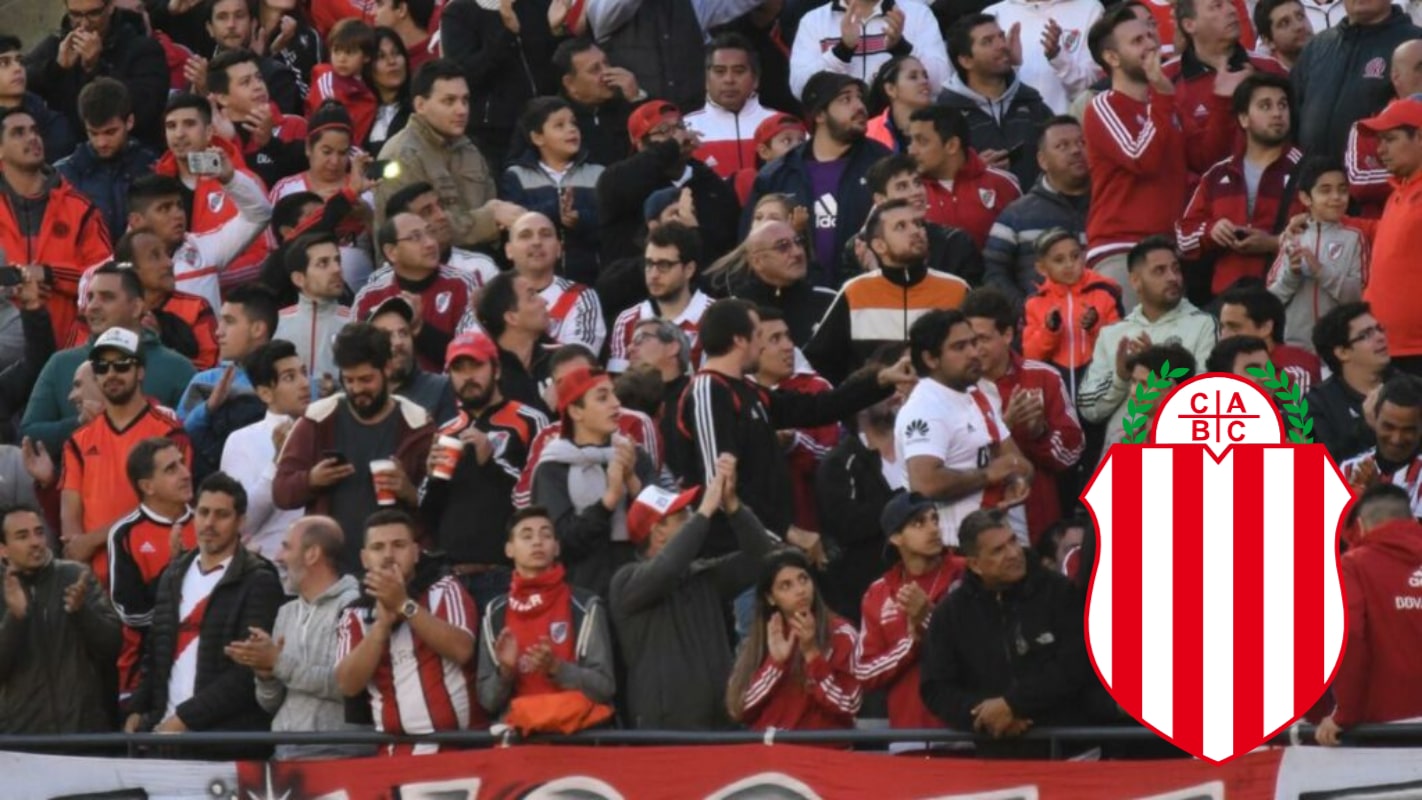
(544, 636)
(352, 48)
(1322, 267)
(774, 137)
(1070, 309)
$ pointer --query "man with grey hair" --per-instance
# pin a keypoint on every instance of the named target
(661, 345)
(295, 664)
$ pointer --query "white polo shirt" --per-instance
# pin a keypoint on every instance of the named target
(958, 429)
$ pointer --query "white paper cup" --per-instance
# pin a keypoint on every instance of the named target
(453, 448)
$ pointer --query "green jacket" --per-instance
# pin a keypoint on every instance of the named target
(51, 418)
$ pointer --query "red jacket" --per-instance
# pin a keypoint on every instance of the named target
(826, 697)
(1302, 366)
(1070, 345)
(888, 653)
(1138, 175)
(351, 92)
(1223, 195)
(69, 239)
(1056, 450)
(326, 13)
(1380, 679)
(1207, 119)
(212, 209)
(444, 297)
(978, 195)
(1369, 182)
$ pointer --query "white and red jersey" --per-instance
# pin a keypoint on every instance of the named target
(480, 268)
(1408, 476)
(888, 652)
(229, 218)
(960, 429)
(574, 315)
(444, 299)
(291, 184)
(728, 137)
(197, 590)
(633, 424)
(414, 689)
(625, 327)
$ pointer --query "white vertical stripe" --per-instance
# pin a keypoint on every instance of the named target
(1218, 641)
(1335, 498)
(1157, 587)
(1278, 588)
(1098, 614)
(405, 675)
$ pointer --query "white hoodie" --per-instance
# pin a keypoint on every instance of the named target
(819, 32)
(1062, 78)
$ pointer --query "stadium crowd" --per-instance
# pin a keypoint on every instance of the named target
(418, 365)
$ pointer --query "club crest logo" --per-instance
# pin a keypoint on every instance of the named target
(215, 201)
(1335, 250)
(988, 196)
(1071, 40)
(1375, 68)
(558, 632)
(442, 302)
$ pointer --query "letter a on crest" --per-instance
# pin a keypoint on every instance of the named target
(1215, 615)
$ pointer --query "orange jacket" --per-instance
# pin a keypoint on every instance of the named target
(71, 238)
(1390, 283)
(212, 209)
(1070, 345)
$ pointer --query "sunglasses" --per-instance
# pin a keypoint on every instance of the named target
(122, 366)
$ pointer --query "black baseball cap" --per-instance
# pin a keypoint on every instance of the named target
(901, 510)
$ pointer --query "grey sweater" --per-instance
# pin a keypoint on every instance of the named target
(669, 611)
(302, 692)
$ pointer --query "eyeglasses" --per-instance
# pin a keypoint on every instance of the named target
(784, 246)
(417, 237)
(89, 16)
(1367, 333)
(660, 264)
(122, 366)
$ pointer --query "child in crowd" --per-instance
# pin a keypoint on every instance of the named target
(774, 137)
(1070, 309)
(1325, 264)
(352, 46)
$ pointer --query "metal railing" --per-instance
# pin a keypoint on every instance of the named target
(1057, 738)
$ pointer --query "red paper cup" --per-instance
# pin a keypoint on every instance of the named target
(383, 497)
(453, 448)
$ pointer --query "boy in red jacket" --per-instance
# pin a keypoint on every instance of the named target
(897, 607)
(352, 47)
(1068, 312)
(1380, 678)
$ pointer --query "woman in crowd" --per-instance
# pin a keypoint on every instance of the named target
(588, 478)
(550, 174)
(388, 75)
(794, 669)
(900, 88)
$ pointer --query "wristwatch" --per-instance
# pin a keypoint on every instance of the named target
(409, 609)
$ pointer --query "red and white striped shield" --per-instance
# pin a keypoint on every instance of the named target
(1215, 615)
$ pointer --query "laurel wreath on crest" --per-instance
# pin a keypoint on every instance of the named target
(1136, 423)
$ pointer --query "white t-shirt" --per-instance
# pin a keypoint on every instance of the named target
(959, 429)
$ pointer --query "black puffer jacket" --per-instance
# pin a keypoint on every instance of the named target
(504, 71)
(57, 669)
(1342, 77)
(851, 494)
(1025, 644)
(1013, 123)
(248, 596)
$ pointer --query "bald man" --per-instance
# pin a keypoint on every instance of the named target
(777, 265)
(574, 313)
(1368, 179)
(295, 663)
(84, 393)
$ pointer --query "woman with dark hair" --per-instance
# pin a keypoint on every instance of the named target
(795, 669)
(588, 478)
(550, 174)
(388, 75)
(900, 88)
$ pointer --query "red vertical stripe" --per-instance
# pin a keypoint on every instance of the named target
(384, 680)
(1248, 596)
(1308, 575)
(437, 698)
(1188, 526)
(1126, 575)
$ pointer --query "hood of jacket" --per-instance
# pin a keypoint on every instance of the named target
(957, 94)
(335, 591)
(1170, 317)
(1399, 540)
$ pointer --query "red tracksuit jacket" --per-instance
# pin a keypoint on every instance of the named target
(1380, 679)
(978, 195)
(1206, 118)
(888, 655)
(1057, 450)
(1223, 194)
(826, 698)
(1138, 176)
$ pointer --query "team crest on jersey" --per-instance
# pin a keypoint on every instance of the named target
(214, 202)
(442, 302)
(558, 632)
(1375, 68)
(1371, 162)
(988, 196)
(499, 441)
(1071, 41)
(1335, 250)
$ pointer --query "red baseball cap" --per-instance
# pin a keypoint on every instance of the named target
(648, 116)
(572, 386)
(653, 505)
(1402, 113)
(471, 345)
(770, 126)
